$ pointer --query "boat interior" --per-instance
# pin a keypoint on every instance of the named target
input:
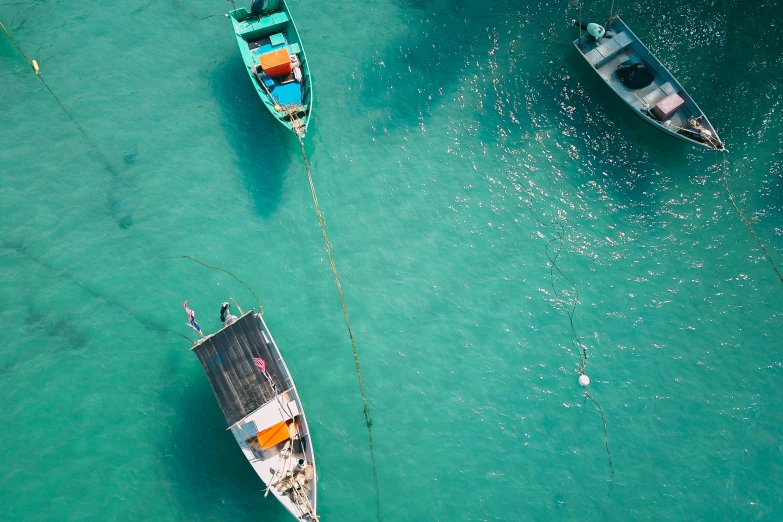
(276, 443)
(642, 82)
(277, 67)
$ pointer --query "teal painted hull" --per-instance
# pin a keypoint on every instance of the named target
(289, 100)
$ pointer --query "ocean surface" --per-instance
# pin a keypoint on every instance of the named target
(456, 147)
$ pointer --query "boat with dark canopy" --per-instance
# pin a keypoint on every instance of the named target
(276, 61)
(262, 407)
(628, 67)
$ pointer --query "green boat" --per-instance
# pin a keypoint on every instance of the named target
(275, 61)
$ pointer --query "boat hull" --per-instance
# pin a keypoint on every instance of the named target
(606, 55)
(277, 97)
(263, 410)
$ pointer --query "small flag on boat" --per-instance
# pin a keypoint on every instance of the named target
(192, 318)
(261, 364)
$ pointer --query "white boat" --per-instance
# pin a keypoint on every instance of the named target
(633, 72)
(262, 408)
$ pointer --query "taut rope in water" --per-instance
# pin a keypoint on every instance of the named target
(84, 134)
(34, 65)
(328, 245)
(725, 183)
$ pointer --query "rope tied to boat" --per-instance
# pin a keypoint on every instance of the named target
(260, 307)
(748, 223)
(368, 420)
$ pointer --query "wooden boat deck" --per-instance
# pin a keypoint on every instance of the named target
(227, 359)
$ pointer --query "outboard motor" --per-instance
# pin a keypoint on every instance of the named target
(226, 317)
(263, 6)
(596, 31)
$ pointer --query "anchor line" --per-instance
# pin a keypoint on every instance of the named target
(606, 436)
(327, 243)
(576, 340)
(16, 44)
(260, 307)
(59, 102)
(104, 159)
(747, 222)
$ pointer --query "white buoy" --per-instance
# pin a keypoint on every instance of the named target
(584, 380)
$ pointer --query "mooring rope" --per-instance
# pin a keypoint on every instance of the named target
(367, 418)
(84, 134)
(260, 308)
(17, 45)
(606, 436)
(60, 103)
(748, 223)
(576, 341)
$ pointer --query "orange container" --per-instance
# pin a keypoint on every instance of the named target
(276, 64)
(274, 435)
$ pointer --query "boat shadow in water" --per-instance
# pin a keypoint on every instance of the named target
(209, 475)
(262, 148)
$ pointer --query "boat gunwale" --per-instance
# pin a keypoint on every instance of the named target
(306, 430)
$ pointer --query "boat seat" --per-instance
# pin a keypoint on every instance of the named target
(240, 14)
(294, 48)
(274, 435)
(654, 97)
(659, 94)
(668, 88)
(668, 106)
(267, 25)
(605, 52)
(277, 39)
(258, 72)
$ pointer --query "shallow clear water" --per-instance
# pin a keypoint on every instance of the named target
(447, 137)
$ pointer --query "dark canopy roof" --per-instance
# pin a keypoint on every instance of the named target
(227, 358)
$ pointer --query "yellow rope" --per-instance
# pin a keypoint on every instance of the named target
(367, 418)
(17, 45)
(86, 136)
(748, 223)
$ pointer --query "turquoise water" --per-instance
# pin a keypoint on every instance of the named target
(447, 137)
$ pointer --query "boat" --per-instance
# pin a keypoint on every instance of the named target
(633, 72)
(263, 410)
(275, 61)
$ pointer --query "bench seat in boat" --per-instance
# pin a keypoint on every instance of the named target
(602, 54)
